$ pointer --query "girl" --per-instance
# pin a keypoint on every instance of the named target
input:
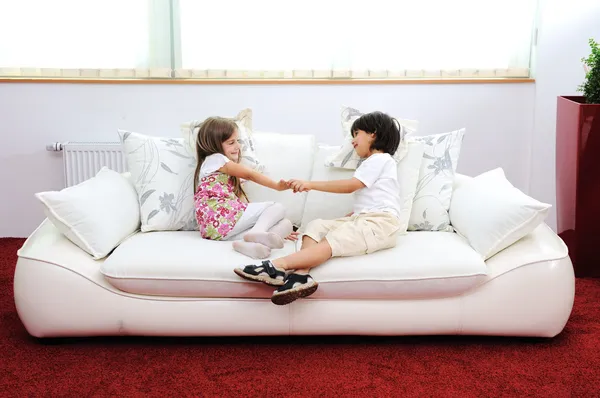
(222, 208)
(373, 225)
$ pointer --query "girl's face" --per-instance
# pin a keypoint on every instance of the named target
(231, 147)
(362, 143)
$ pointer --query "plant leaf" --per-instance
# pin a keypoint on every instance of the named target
(164, 166)
(443, 226)
(152, 214)
(441, 138)
(425, 214)
(347, 158)
(127, 134)
(145, 196)
(427, 156)
(178, 154)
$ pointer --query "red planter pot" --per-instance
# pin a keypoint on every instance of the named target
(578, 182)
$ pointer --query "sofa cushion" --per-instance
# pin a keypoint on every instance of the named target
(492, 214)
(283, 156)
(182, 264)
(434, 189)
(243, 120)
(162, 171)
(346, 157)
(97, 214)
(422, 265)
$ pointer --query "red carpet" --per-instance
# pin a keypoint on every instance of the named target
(566, 366)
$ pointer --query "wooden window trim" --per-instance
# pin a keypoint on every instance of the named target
(272, 81)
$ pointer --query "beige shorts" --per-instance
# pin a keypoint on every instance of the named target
(357, 234)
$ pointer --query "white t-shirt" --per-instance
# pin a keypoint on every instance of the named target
(379, 173)
(213, 163)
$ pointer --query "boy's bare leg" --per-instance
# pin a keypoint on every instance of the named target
(311, 255)
(307, 242)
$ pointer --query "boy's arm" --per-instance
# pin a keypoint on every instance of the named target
(336, 186)
(246, 173)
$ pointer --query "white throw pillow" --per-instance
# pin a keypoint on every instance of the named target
(97, 214)
(162, 171)
(243, 120)
(492, 214)
(435, 186)
(329, 205)
(346, 156)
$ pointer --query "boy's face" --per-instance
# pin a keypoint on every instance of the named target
(362, 143)
(231, 147)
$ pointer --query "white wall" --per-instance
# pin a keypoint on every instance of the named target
(34, 115)
(508, 125)
(564, 30)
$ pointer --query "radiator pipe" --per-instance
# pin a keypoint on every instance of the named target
(55, 147)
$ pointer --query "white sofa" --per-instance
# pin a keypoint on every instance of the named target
(173, 283)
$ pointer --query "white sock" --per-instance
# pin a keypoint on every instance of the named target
(251, 249)
(268, 239)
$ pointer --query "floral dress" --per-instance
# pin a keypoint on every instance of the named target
(218, 208)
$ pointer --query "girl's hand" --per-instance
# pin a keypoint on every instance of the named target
(282, 185)
(293, 236)
(300, 186)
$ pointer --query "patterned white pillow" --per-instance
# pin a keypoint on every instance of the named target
(346, 157)
(436, 178)
(162, 172)
(243, 120)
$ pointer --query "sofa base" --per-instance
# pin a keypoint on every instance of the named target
(533, 300)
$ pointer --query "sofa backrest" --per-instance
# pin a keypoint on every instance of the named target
(323, 204)
(287, 156)
(284, 156)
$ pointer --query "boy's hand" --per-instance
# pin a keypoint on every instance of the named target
(300, 186)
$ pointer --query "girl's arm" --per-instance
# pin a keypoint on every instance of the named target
(336, 186)
(241, 171)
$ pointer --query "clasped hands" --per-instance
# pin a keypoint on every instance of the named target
(295, 185)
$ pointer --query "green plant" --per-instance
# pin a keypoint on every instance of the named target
(591, 86)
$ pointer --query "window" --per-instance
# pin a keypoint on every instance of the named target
(238, 39)
(83, 38)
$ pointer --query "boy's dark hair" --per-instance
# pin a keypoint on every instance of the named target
(387, 130)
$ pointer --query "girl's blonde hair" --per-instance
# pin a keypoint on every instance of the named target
(211, 135)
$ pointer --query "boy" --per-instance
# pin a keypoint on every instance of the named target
(373, 225)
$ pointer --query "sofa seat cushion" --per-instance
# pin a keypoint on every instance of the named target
(422, 265)
(181, 264)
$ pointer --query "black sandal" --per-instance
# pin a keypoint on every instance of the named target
(296, 286)
(266, 273)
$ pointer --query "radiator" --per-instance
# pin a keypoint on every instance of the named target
(83, 160)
